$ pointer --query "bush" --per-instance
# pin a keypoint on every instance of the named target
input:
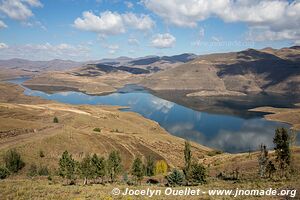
(55, 120)
(4, 172)
(42, 155)
(213, 153)
(176, 178)
(198, 173)
(97, 129)
(13, 161)
(43, 171)
(32, 171)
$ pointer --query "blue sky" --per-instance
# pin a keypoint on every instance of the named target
(94, 29)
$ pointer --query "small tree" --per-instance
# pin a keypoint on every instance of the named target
(270, 169)
(55, 120)
(161, 167)
(282, 149)
(13, 161)
(137, 169)
(4, 172)
(99, 167)
(114, 165)
(263, 160)
(176, 178)
(67, 166)
(198, 173)
(187, 159)
(86, 169)
(150, 167)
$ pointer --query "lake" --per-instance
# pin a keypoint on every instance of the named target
(221, 130)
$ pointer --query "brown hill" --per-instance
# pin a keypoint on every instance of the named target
(236, 73)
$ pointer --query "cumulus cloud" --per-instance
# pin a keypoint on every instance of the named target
(44, 51)
(142, 22)
(107, 23)
(112, 22)
(3, 45)
(275, 16)
(2, 24)
(19, 9)
(165, 40)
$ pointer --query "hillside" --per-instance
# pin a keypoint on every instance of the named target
(234, 74)
(26, 123)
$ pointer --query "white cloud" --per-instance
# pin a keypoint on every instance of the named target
(107, 23)
(142, 22)
(276, 16)
(3, 45)
(113, 48)
(44, 51)
(18, 9)
(2, 24)
(112, 22)
(165, 40)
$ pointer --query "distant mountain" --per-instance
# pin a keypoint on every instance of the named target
(172, 59)
(51, 65)
(235, 73)
(150, 63)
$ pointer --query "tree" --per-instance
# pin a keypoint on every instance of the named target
(282, 149)
(176, 178)
(263, 160)
(55, 120)
(86, 169)
(114, 165)
(13, 161)
(198, 173)
(137, 169)
(99, 167)
(270, 169)
(161, 167)
(150, 167)
(4, 172)
(187, 159)
(67, 166)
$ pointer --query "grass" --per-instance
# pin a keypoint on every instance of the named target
(41, 188)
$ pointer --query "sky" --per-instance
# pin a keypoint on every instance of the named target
(94, 29)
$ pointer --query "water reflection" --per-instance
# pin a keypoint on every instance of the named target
(225, 132)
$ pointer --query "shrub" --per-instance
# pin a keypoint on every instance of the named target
(4, 172)
(97, 129)
(42, 155)
(198, 173)
(176, 178)
(55, 120)
(213, 153)
(32, 171)
(13, 161)
(43, 171)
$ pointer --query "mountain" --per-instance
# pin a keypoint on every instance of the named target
(28, 65)
(234, 73)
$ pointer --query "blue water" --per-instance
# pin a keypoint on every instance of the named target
(224, 132)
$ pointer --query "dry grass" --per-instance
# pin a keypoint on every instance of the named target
(287, 115)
